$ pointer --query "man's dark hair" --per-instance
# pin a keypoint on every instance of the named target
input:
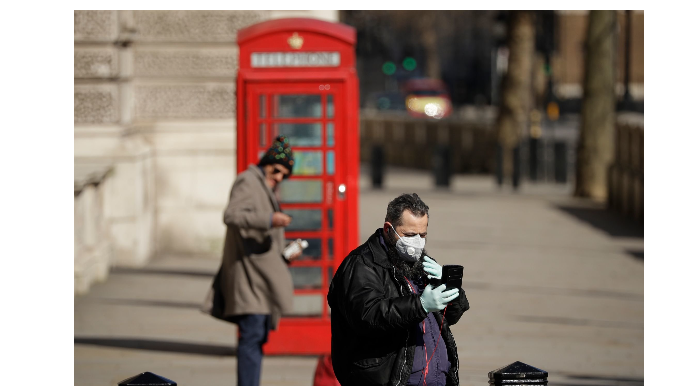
(411, 202)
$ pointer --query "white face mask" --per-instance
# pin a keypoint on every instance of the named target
(409, 248)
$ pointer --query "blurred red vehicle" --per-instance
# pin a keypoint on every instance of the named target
(426, 97)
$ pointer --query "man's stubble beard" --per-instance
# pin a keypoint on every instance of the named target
(409, 269)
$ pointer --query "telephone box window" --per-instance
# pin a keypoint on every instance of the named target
(329, 106)
(301, 134)
(308, 163)
(330, 162)
(304, 219)
(330, 134)
(312, 252)
(297, 106)
(306, 277)
(301, 191)
(262, 135)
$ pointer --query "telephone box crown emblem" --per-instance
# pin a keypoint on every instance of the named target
(295, 41)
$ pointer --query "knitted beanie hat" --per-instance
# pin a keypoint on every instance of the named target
(279, 153)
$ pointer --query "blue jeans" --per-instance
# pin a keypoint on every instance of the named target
(253, 335)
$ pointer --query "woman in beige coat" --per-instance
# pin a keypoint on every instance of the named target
(253, 286)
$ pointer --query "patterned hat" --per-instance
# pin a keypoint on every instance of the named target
(279, 153)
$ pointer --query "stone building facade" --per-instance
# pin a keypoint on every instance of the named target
(154, 97)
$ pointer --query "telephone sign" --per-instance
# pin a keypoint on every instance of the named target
(295, 59)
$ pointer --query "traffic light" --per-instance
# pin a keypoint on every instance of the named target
(389, 68)
(547, 69)
(409, 64)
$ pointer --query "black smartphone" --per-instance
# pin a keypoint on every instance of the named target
(452, 276)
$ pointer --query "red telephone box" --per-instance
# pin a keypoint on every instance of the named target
(297, 77)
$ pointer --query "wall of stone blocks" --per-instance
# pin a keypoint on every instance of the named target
(93, 248)
(128, 197)
(155, 96)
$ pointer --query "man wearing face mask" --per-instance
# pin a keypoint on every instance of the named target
(389, 326)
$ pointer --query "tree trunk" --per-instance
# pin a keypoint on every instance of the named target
(595, 149)
(428, 24)
(516, 90)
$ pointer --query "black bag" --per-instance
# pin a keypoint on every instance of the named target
(214, 304)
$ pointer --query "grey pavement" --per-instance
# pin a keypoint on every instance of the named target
(553, 281)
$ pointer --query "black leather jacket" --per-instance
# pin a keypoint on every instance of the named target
(373, 319)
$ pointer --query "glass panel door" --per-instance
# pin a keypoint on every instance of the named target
(310, 116)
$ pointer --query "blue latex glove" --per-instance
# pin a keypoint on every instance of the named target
(432, 268)
(435, 299)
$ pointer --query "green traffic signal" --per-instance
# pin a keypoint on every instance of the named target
(389, 68)
(547, 69)
(409, 64)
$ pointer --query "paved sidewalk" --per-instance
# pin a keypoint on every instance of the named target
(552, 281)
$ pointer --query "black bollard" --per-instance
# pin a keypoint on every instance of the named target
(499, 165)
(377, 163)
(560, 153)
(534, 147)
(441, 163)
(518, 373)
(147, 378)
(516, 167)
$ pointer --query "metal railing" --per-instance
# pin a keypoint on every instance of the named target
(414, 143)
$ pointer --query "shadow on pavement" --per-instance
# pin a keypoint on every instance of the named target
(610, 222)
(159, 271)
(593, 380)
(159, 345)
(638, 255)
(554, 291)
(152, 303)
(580, 322)
(438, 193)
